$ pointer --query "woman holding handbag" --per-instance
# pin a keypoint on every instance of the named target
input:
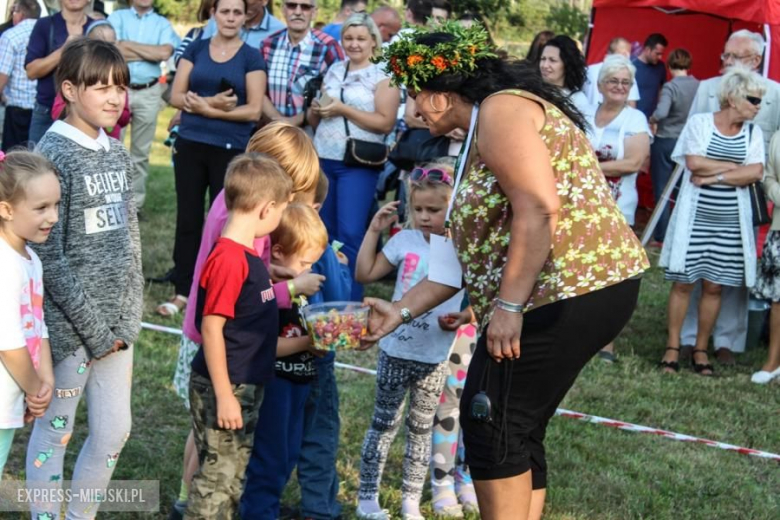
(710, 234)
(355, 111)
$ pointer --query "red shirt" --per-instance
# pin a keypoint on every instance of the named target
(236, 285)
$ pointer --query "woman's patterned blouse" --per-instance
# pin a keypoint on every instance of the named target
(593, 246)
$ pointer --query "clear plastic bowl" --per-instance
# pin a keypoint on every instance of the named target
(336, 325)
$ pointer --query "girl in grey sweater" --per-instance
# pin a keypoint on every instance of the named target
(92, 276)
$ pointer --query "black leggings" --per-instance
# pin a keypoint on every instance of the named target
(197, 167)
(557, 341)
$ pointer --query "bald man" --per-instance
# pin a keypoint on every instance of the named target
(388, 20)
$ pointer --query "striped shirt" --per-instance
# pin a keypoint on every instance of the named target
(20, 90)
(291, 66)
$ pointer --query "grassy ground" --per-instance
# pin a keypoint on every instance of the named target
(596, 472)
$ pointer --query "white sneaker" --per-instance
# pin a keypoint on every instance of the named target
(379, 515)
(763, 377)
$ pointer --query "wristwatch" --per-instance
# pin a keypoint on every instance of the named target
(406, 315)
(720, 178)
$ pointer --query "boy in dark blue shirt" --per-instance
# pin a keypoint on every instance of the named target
(297, 244)
(238, 318)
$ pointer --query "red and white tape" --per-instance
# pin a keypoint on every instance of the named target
(594, 419)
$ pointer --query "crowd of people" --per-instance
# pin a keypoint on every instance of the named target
(289, 129)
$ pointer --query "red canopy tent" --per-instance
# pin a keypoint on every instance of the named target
(701, 26)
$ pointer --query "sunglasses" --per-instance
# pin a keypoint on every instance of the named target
(292, 6)
(753, 100)
(432, 175)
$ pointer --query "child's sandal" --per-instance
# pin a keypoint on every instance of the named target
(173, 306)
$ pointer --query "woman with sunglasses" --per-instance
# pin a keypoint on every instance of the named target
(544, 251)
(357, 101)
(621, 138)
(710, 234)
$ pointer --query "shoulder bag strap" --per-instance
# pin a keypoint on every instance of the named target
(341, 96)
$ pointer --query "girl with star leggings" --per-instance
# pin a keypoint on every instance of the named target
(92, 279)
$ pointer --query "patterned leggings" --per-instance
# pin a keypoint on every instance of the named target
(448, 469)
(395, 376)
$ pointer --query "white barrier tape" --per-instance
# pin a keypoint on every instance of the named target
(664, 433)
(160, 328)
(625, 426)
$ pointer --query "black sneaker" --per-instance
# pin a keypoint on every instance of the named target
(177, 511)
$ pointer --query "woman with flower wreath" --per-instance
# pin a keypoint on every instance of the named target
(545, 252)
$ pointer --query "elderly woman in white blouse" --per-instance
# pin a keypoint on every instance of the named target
(357, 101)
(710, 234)
(621, 138)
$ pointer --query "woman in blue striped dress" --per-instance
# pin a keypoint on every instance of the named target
(710, 235)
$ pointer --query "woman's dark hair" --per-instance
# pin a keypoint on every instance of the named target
(86, 62)
(535, 50)
(495, 74)
(575, 71)
(204, 10)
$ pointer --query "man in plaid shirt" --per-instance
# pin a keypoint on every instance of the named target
(294, 56)
(18, 91)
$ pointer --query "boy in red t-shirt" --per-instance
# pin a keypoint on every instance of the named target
(238, 318)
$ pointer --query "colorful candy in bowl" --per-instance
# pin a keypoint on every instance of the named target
(336, 325)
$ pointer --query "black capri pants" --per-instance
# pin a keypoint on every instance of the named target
(197, 167)
(557, 341)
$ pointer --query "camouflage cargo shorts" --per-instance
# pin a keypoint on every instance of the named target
(223, 454)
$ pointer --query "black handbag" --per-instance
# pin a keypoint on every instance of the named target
(363, 154)
(417, 145)
(758, 204)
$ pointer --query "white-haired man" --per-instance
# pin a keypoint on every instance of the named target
(743, 49)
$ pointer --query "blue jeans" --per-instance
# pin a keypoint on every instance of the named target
(317, 462)
(661, 167)
(40, 122)
(276, 448)
(347, 210)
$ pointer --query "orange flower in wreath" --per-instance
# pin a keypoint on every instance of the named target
(439, 62)
(414, 59)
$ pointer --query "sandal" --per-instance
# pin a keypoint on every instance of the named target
(173, 306)
(674, 366)
(701, 368)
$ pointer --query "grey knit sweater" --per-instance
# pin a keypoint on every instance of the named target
(92, 260)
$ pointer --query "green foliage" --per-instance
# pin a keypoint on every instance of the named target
(567, 19)
(178, 10)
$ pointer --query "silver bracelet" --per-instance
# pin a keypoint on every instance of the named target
(406, 315)
(504, 305)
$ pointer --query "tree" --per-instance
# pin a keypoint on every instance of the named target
(567, 19)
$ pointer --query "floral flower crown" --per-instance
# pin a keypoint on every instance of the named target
(412, 64)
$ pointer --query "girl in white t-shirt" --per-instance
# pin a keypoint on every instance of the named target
(413, 359)
(29, 198)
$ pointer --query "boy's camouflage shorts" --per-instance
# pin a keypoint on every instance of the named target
(223, 454)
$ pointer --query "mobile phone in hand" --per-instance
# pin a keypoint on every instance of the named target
(225, 85)
(325, 99)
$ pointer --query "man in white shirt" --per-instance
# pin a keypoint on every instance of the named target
(743, 49)
(591, 87)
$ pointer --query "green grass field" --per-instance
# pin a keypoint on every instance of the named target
(595, 472)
